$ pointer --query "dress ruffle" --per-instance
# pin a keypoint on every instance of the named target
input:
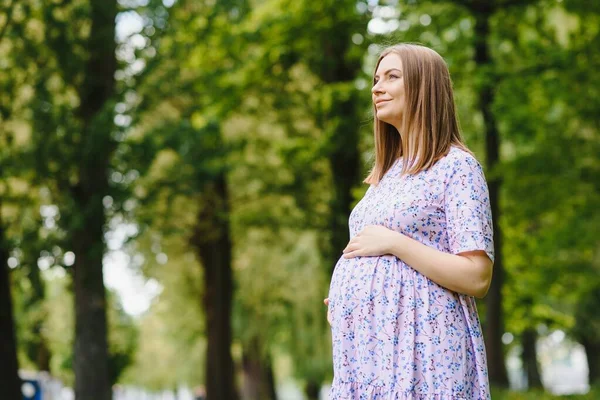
(363, 391)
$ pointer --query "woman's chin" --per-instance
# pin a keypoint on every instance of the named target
(393, 120)
(383, 116)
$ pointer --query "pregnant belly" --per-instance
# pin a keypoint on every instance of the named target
(390, 325)
(361, 273)
(362, 281)
(383, 285)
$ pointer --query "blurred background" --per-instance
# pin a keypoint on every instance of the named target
(176, 178)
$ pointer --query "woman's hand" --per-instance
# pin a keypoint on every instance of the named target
(373, 240)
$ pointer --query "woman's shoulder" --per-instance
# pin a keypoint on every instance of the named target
(459, 158)
(456, 162)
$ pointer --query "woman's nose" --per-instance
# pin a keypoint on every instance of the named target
(376, 88)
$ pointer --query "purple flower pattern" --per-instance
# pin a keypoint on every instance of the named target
(396, 334)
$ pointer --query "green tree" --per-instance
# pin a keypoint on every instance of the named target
(72, 121)
(195, 138)
(549, 194)
(9, 85)
(312, 86)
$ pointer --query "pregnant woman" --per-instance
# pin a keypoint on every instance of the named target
(401, 302)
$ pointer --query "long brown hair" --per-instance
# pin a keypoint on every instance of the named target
(429, 123)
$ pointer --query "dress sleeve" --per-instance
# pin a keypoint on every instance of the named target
(467, 207)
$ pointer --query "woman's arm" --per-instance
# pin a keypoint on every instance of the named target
(469, 272)
(466, 267)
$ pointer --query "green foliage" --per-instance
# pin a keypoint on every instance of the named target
(171, 345)
(58, 329)
(272, 151)
(277, 110)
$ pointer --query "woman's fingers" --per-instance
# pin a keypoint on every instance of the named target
(348, 248)
(326, 301)
(352, 254)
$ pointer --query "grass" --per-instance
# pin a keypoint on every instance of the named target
(593, 394)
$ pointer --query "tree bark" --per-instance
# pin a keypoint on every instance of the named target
(91, 348)
(586, 330)
(212, 240)
(344, 157)
(494, 326)
(38, 351)
(592, 352)
(529, 357)
(345, 168)
(9, 375)
(312, 390)
(259, 382)
(44, 356)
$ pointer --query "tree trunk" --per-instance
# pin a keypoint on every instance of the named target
(10, 383)
(38, 351)
(213, 244)
(585, 329)
(592, 352)
(494, 326)
(312, 390)
(91, 348)
(344, 156)
(271, 380)
(259, 382)
(44, 355)
(345, 167)
(529, 357)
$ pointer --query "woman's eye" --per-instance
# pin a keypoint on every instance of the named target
(393, 76)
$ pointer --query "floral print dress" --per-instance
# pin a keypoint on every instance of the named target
(396, 334)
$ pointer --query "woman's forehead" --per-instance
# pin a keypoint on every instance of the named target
(391, 60)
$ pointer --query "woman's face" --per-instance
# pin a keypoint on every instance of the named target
(388, 90)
